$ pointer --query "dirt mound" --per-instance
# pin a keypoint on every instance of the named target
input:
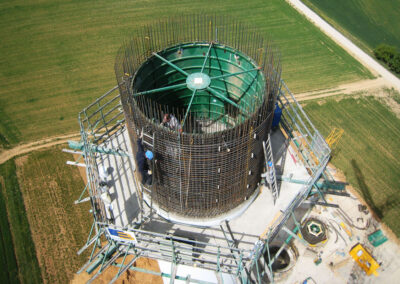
(127, 277)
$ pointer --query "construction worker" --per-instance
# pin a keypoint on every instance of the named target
(171, 122)
(143, 162)
(105, 196)
(103, 173)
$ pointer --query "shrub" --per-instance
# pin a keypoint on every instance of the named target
(389, 55)
(385, 52)
(395, 63)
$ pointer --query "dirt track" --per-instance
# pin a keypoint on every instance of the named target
(349, 46)
(375, 88)
(372, 87)
(386, 79)
(36, 145)
(359, 86)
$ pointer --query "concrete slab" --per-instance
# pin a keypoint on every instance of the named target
(120, 179)
(336, 265)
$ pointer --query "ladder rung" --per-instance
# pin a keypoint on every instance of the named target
(270, 158)
(151, 145)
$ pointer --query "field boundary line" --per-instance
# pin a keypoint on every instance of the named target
(345, 43)
(345, 89)
(35, 145)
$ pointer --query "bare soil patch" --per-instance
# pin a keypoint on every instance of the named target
(376, 88)
(127, 277)
(340, 176)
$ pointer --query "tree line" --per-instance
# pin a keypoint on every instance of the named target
(390, 55)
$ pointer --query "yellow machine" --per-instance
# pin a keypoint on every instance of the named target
(333, 138)
(364, 259)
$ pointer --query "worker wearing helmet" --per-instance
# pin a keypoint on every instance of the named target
(143, 162)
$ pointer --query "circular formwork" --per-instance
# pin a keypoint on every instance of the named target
(314, 231)
(284, 263)
(220, 80)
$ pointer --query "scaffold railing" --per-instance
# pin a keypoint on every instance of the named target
(313, 151)
(100, 120)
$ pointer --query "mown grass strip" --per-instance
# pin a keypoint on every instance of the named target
(368, 151)
(28, 267)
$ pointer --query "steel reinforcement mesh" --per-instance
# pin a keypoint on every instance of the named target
(214, 163)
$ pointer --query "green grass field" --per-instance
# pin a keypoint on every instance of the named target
(57, 56)
(368, 22)
(59, 227)
(368, 152)
(26, 268)
(8, 262)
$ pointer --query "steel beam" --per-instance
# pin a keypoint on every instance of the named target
(294, 235)
(162, 89)
(171, 64)
(123, 269)
(234, 74)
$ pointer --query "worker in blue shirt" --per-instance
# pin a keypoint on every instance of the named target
(143, 160)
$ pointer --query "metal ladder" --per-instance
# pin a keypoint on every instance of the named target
(270, 175)
(148, 139)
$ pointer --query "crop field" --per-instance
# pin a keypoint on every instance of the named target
(8, 262)
(368, 152)
(19, 250)
(59, 227)
(57, 56)
(367, 22)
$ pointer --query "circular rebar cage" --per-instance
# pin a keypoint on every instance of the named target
(218, 80)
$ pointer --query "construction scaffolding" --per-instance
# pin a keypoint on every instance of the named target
(98, 127)
(241, 129)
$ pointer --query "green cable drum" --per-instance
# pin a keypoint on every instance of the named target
(220, 80)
